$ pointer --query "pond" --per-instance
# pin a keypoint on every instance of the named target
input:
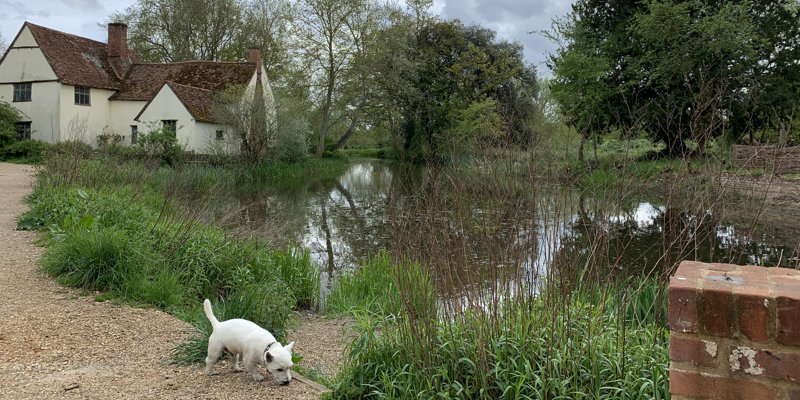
(478, 227)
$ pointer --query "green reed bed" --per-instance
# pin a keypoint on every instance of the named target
(282, 174)
(108, 229)
(598, 343)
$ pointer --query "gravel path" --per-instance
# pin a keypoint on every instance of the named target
(58, 344)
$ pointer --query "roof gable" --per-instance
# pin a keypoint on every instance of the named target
(197, 101)
(76, 60)
(24, 38)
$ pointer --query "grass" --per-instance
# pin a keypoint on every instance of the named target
(117, 228)
(280, 175)
(532, 350)
(373, 288)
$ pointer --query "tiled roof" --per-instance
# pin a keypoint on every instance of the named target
(199, 102)
(76, 60)
(144, 80)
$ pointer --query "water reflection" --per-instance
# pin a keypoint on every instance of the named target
(377, 205)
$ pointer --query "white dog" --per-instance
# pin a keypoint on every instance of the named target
(255, 344)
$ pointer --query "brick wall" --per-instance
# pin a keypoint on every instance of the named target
(734, 332)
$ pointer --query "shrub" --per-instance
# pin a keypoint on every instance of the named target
(163, 145)
(71, 147)
(31, 150)
(8, 118)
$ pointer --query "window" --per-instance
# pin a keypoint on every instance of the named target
(23, 130)
(22, 91)
(170, 125)
(82, 95)
(219, 134)
(134, 133)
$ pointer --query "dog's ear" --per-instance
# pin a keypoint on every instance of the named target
(289, 346)
(267, 356)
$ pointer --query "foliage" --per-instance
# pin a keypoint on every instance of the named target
(182, 30)
(8, 118)
(28, 149)
(250, 117)
(10, 147)
(161, 144)
(679, 70)
(449, 68)
(106, 140)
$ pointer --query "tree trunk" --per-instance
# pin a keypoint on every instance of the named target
(326, 111)
(782, 135)
(353, 120)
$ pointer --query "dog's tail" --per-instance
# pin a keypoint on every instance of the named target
(210, 313)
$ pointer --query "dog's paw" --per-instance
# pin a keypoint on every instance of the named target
(212, 373)
(258, 377)
(237, 369)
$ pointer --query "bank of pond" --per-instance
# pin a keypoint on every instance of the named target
(481, 284)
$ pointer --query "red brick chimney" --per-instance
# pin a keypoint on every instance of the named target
(255, 57)
(119, 56)
(117, 39)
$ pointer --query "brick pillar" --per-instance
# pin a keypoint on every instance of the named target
(734, 332)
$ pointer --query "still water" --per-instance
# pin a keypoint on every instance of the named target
(375, 205)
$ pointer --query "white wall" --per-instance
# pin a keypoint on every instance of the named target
(42, 110)
(164, 106)
(25, 38)
(122, 114)
(85, 122)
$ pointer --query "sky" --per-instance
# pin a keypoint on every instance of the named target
(513, 20)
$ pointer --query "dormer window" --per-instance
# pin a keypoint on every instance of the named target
(82, 95)
(22, 91)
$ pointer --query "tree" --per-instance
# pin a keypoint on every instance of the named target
(183, 30)
(249, 114)
(267, 26)
(680, 70)
(3, 44)
(365, 21)
(458, 66)
(327, 48)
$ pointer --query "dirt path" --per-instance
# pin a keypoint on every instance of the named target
(56, 343)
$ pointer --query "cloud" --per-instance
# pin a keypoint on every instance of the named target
(513, 20)
(87, 5)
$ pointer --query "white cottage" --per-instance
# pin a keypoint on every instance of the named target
(74, 88)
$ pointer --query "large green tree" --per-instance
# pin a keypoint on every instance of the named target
(183, 30)
(327, 48)
(679, 70)
(442, 76)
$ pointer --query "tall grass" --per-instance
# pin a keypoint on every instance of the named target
(125, 228)
(373, 288)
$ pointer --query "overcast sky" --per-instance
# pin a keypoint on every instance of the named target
(511, 19)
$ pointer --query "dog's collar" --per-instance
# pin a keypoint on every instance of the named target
(266, 349)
